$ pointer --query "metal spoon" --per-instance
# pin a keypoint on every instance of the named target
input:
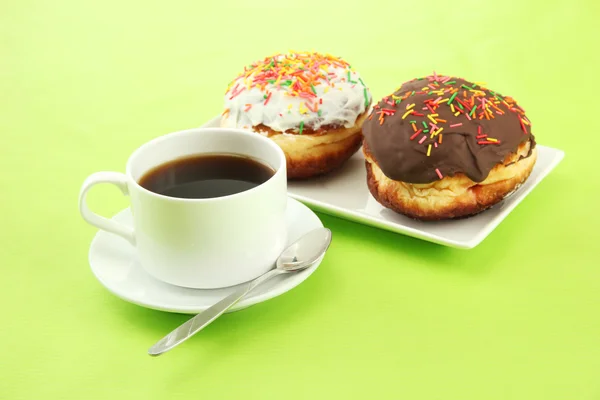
(298, 256)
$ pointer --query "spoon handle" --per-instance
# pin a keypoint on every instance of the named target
(197, 323)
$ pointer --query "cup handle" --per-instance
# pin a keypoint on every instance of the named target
(119, 180)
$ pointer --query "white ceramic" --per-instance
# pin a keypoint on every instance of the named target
(114, 263)
(200, 243)
(344, 193)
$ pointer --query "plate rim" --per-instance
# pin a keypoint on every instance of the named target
(276, 291)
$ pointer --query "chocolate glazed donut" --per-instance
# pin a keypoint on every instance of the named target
(442, 147)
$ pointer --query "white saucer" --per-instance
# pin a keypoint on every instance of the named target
(113, 262)
(344, 193)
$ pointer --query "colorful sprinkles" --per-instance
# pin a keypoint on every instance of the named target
(305, 75)
(474, 103)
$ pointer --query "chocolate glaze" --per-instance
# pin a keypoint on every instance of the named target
(458, 150)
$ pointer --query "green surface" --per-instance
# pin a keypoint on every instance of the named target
(385, 316)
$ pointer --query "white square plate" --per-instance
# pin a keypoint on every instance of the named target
(344, 193)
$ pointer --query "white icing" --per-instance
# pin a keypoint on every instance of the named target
(340, 103)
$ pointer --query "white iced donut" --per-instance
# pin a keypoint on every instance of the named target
(312, 105)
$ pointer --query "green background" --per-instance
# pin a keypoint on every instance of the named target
(82, 84)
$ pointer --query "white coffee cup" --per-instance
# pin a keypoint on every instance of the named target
(201, 243)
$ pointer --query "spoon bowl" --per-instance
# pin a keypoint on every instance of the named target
(305, 252)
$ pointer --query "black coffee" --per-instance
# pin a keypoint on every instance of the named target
(206, 175)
